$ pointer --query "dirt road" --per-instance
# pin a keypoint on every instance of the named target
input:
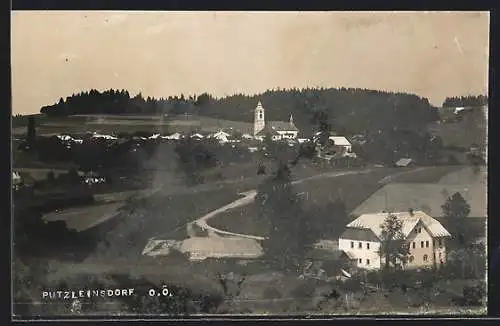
(248, 198)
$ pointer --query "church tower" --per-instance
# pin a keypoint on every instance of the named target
(259, 120)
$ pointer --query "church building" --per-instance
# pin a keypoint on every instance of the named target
(278, 130)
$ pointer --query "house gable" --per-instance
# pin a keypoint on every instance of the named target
(419, 231)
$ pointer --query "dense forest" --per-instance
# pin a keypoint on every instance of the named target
(465, 101)
(349, 110)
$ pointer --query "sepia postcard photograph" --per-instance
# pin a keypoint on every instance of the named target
(245, 163)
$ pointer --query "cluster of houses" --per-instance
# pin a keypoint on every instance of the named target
(283, 131)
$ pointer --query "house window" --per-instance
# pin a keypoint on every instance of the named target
(367, 246)
(426, 257)
(360, 245)
(413, 245)
(360, 261)
(411, 259)
(368, 262)
(421, 244)
(427, 244)
(352, 244)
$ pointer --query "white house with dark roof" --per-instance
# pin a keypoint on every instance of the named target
(425, 235)
(278, 129)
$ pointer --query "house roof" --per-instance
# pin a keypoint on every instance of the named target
(322, 254)
(359, 234)
(404, 161)
(374, 222)
(425, 197)
(339, 140)
(267, 130)
(217, 247)
(175, 135)
(282, 126)
(246, 136)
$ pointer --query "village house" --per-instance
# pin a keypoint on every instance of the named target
(324, 263)
(278, 130)
(221, 136)
(197, 136)
(426, 238)
(341, 143)
(174, 136)
(404, 162)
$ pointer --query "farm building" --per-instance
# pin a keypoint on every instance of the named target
(426, 236)
(341, 142)
(326, 263)
(174, 136)
(221, 136)
(404, 162)
(201, 248)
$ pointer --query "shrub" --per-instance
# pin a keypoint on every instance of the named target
(473, 295)
(261, 170)
(304, 290)
(272, 293)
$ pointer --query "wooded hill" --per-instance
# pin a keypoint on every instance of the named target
(348, 110)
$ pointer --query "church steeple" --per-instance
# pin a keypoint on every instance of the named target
(259, 119)
(291, 119)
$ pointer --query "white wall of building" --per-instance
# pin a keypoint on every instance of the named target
(365, 252)
(424, 249)
(288, 134)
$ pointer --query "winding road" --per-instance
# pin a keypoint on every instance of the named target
(155, 244)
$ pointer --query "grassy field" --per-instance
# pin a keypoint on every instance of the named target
(353, 189)
(453, 134)
(83, 218)
(161, 215)
(431, 174)
(125, 123)
(241, 220)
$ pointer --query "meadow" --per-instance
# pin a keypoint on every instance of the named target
(317, 192)
(125, 123)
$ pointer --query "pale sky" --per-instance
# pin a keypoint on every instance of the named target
(57, 53)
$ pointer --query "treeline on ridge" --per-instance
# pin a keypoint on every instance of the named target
(349, 110)
(465, 101)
